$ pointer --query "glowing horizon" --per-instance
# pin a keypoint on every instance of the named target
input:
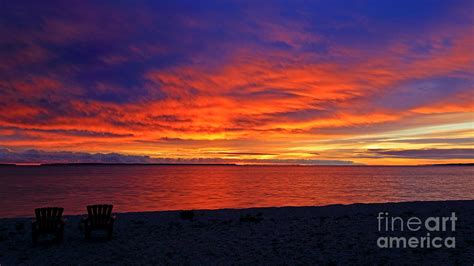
(343, 83)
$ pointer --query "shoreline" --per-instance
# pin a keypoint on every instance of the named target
(290, 207)
(177, 211)
(229, 164)
(328, 234)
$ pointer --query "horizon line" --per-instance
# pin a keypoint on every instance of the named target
(227, 164)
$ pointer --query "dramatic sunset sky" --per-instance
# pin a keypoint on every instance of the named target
(314, 82)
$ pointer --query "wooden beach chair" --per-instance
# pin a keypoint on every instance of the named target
(99, 217)
(48, 221)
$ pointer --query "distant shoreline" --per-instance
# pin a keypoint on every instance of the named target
(219, 164)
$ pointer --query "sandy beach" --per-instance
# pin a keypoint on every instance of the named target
(327, 235)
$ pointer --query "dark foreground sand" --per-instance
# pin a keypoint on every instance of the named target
(329, 235)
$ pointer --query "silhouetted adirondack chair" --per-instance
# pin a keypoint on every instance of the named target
(99, 218)
(48, 221)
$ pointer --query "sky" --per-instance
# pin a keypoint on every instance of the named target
(308, 82)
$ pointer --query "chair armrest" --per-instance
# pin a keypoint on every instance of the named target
(112, 219)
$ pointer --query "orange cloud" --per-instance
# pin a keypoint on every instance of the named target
(275, 88)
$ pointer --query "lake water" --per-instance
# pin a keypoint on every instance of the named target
(162, 187)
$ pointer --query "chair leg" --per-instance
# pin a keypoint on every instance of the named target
(34, 238)
(110, 232)
(61, 234)
(87, 233)
(59, 237)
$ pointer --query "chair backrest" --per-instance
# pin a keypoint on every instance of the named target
(48, 218)
(99, 214)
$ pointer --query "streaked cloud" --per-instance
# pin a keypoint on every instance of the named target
(428, 153)
(232, 80)
(44, 157)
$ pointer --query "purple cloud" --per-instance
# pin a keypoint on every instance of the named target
(42, 157)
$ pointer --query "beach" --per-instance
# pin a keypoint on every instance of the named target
(325, 235)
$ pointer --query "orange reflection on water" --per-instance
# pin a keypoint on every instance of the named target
(150, 188)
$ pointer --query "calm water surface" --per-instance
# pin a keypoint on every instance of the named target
(146, 188)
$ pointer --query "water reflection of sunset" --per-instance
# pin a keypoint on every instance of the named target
(151, 188)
